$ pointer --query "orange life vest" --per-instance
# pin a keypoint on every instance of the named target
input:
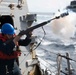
(15, 54)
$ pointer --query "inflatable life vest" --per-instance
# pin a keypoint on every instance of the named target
(15, 54)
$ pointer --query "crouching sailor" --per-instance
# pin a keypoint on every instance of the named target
(8, 40)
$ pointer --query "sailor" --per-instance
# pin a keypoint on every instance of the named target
(8, 41)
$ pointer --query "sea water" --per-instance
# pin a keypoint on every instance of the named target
(54, 42)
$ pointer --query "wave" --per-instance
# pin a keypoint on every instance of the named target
(58, 46)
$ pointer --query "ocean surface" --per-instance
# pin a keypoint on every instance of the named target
(51, 44)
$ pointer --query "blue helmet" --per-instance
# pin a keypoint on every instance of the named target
(7, 28)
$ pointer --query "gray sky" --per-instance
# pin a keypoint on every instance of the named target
(46, 5)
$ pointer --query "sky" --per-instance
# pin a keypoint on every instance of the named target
(47, 5)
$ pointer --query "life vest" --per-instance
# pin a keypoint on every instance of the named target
(13, 55)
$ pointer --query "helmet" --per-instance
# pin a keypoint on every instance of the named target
(7, 28)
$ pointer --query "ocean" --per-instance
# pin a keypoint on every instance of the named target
(54, 41)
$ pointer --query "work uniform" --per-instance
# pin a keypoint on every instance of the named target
(8, 65)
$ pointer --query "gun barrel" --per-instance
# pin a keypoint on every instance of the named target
(37, 26)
